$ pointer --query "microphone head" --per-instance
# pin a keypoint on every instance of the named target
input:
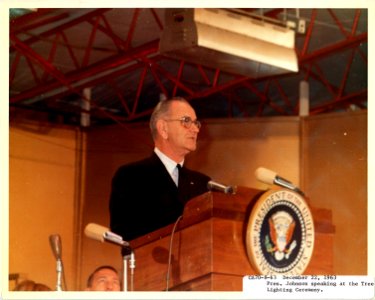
(215, 186)
(265, 175)
(95, 231)
(55, 242)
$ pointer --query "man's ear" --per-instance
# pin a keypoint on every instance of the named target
(162, 128)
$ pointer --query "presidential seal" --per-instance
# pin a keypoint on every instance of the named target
(280, 233)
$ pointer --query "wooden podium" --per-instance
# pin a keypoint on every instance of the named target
(208, 252)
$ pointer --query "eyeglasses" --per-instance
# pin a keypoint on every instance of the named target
(187, 121)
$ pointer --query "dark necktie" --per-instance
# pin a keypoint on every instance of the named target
(183, 188)
(180, 171)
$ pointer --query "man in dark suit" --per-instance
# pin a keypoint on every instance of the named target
(151, 193)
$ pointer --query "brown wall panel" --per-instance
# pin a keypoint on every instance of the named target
(42, 168)
(334, 151)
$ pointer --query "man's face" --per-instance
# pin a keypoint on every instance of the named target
(105, 280)
(181, 139)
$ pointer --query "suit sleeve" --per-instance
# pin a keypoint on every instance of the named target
(121, 205)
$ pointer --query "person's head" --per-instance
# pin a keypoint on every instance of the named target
(29, 285)
(104, 278)
(174, 127)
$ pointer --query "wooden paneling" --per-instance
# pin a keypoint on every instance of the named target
(42, 172)
(334, 175)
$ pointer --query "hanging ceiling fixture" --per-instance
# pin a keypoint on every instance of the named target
(233, 42)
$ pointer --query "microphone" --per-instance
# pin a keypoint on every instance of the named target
(215, 186)
(270, 177)
(101, 234)
(55, 242)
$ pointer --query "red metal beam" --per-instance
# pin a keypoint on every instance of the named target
(355, 21)
(54, 72)
(150, 64)
(218, 88)
(40, 23)
(51, 56)
(22, 21)
(32, 69)
(339, 46)
(252, 88)
(216, 78)
(240, 104)
(265, 100)
(173, 79)
(179, 74)
(132, 28)
(358, 96)
(13, 68)
(95, 69)
(119, 95)
(203, 74)
(70, 50)
(346, 74)
(64, 26)
(107, 30)
(100, 80)
(320, 77)
(339, 24)
(309, 33)
(88, 50)
(28, 52)
(139, 90)
(77, 79)
(283, 95)
(108, 77)
(157, 19)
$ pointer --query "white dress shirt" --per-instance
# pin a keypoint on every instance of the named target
(169, 164)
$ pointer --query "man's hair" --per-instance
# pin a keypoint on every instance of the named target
(91, 277)
(161, 110)
(30, 285)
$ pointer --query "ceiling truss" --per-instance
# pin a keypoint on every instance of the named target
(124, 56)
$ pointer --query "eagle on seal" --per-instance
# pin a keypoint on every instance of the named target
(282, 226)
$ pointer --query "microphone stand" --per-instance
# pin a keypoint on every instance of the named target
(128, 256)
(59, 270)
(102, 234)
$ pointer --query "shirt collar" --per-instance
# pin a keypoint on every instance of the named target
(167, 162)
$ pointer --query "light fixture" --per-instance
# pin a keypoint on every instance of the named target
(233, 42)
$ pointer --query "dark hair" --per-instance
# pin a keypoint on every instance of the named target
(91, 277)
(161, 110)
